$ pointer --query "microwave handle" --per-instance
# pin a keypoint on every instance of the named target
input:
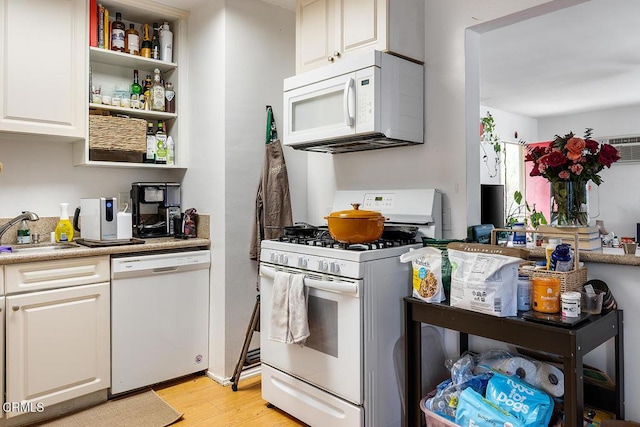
(349, 102)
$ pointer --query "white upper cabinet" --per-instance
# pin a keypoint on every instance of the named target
(43, 78)
(330, 30)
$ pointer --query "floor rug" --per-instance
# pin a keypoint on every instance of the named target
(140, 410)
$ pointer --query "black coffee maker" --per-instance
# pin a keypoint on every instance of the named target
(154, 207)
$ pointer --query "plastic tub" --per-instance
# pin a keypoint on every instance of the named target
(433, 419)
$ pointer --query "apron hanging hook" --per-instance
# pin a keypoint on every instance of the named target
(272, 133)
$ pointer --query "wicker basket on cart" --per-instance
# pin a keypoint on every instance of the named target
(569, 280)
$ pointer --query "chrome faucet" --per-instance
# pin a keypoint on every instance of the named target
(30, 216)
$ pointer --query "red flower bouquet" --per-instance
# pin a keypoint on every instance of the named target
(569, 158)
(569, 162)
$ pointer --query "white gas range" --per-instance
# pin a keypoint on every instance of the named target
(347, 373)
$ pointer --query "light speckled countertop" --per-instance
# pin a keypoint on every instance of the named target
(151, 244)
(603, 256)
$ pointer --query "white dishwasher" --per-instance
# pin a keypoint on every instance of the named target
(159, 317)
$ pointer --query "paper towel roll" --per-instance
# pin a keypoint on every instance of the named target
(550, 379)
(523, 368)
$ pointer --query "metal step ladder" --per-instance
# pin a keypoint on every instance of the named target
(248, 359)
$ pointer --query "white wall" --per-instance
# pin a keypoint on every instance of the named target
(38, 176)
(622, 280)
(240, 51)
(204, 181)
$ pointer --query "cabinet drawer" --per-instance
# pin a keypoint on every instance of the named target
(53, 274)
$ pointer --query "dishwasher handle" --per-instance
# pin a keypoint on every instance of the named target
(164, 270)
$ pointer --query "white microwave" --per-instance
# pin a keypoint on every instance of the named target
(372, 101)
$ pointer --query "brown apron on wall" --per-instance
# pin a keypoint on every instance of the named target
(273, 202)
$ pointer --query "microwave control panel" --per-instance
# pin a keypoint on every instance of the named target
(365, 96)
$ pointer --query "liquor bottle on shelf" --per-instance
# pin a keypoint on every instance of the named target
(118, 34)
(169, 98)
(155, 42)
(132, 41)
(157, 92)
(136, 93)
(150, 155)
(145, 47)
(146, 90)
(171, 151)
(161, 145)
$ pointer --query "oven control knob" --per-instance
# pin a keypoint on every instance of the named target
(335, 267)
(273, 258)
(322, 265)
(284, 259)
(302, 262)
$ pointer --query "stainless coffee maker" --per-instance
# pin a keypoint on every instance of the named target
(154, 207)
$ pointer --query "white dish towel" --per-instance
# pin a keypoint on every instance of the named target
(288, 322)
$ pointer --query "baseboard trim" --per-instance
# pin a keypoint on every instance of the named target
(245, 374)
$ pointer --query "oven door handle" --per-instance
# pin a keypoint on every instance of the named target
(341, 287)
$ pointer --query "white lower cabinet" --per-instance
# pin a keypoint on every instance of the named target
(57, 340)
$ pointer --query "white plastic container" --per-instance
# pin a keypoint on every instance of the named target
(166, 43)
(570, 304)
(524, 293)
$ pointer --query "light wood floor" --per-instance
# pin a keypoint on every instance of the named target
(204, 402)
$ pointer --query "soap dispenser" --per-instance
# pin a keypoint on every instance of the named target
(24, 233)
(64, 229)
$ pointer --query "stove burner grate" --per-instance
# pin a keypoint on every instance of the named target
(326, 241)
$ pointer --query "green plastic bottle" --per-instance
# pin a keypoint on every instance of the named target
(64, 229)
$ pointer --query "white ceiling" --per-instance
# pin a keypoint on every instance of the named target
(191, 4)
(582, 58)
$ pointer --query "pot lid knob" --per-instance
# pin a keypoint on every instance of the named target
(355, 206)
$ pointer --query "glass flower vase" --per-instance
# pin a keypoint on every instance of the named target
(569, 204)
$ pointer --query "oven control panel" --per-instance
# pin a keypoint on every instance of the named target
(378, 201)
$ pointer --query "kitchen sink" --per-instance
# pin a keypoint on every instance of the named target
(40, 248)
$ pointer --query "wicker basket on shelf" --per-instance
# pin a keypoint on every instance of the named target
(569, 280)
(117, 139)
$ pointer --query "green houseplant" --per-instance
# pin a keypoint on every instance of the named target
(489, 136)
(523, 212)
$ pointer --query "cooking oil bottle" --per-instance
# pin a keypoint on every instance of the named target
(64, 229)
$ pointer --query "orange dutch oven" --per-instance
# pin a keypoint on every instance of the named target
(355, 226)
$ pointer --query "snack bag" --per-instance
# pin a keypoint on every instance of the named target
(531, 406)
(475, 411)
(486, 283)
(427, 273)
